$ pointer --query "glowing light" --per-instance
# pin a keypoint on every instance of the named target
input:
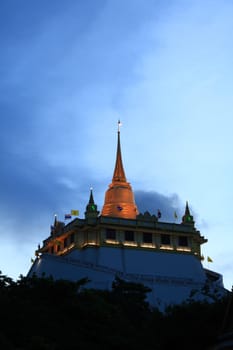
(147, 245)
(130, 244)
(66, 249)
(88, 244)
(184, 249)
(111, 241)
(166, 247)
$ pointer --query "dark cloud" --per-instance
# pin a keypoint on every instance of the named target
(152, 201)
(31, 190)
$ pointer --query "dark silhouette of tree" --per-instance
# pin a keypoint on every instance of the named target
(46, 314)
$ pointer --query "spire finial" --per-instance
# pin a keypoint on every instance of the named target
(119, 125)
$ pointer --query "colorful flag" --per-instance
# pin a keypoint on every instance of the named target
(209, 259)
(75, 212)
(68, 216)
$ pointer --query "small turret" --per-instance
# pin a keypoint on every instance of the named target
(187, 219)
(91, 208)
(57, 226)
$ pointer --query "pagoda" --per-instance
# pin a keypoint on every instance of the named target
(137, 247)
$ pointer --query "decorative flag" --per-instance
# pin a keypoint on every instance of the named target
(175, 215)
(209, 259)
(159, 214)
(75, 212)
(68, 216)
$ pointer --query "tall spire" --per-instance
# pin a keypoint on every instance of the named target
(119, 173)
(119, 197)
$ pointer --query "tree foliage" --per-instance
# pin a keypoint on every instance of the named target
(42, 313)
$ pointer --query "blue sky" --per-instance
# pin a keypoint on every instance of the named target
(70, 69)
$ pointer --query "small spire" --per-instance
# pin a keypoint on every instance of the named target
(187, 218)
(91, 208)
(55, 220)
(57, 225)
(187, 211)
(53, 227)
(91, 199)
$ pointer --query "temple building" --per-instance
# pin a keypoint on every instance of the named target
(138, 247)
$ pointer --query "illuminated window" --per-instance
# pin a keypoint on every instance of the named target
(110, 234)
(129, 236)
(147, 237)
(183, 241)
(165, 239)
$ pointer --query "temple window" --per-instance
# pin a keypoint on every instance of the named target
(111, 234)
(165, 239)
(129, 236)
(183, 241)
(147, 237)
